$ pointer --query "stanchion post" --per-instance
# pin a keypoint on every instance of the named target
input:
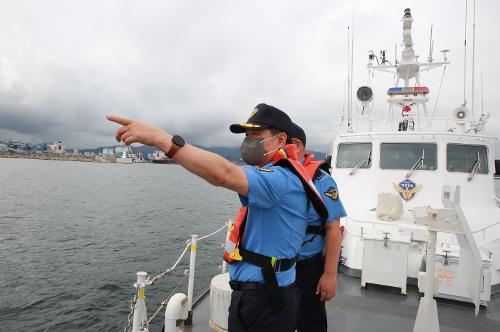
(140, 316)
(192, 265)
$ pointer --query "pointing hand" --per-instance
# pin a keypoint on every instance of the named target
(133, 131)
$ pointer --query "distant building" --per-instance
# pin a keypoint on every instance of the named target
(3, 147)
(118, 151)
(56, 148)
(17, 145)
(108, 152)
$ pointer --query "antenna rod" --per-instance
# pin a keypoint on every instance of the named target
(349, 82)
(395, 54)
(482, 97)
(431, 44)
(473, 57)
(350, 71)
(465, 53)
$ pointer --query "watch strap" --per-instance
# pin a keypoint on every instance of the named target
(173, 150)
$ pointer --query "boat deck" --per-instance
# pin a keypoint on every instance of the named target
(379, 308)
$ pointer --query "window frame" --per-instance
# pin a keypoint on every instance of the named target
(408, 169)
(476, 145)
(351, 143)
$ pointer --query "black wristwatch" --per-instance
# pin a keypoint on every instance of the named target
(177, 143)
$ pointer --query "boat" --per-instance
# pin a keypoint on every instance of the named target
(126, 155)
(138, 158)
(159, 157)
(423, 218)
(413, 155)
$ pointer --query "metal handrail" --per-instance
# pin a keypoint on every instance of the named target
(153, 280)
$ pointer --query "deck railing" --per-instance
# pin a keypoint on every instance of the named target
(178, 306)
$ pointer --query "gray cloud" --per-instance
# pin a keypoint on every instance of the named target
(195, 67)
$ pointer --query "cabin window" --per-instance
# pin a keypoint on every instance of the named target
(407, 155)
(351, 155)
(462, 158)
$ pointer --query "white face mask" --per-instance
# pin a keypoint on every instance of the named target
(252, 149)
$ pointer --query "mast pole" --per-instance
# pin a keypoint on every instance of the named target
(349, 85)
(465, 54)
(473, 57)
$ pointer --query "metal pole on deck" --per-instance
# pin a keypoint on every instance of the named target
(192, 263)
(427, 316)
(140, 316)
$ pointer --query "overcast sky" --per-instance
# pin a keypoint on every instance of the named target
(194, 67)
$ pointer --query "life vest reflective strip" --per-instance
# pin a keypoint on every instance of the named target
(285, 157)
(236, 233)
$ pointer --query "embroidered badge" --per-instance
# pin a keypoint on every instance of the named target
(332, 193)
(407, 189)
(263, 169)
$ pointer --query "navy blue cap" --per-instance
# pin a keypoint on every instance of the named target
(265, 116)
(299, 133)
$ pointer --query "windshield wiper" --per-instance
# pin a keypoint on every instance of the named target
(475, 167)
(420, 162)
(362, 163)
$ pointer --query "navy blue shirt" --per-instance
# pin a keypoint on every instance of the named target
(276, 220)
(328, 190)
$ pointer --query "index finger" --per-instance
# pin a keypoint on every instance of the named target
(118, 119)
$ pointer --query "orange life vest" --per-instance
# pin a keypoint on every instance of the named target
(285, 157)
(312, 166)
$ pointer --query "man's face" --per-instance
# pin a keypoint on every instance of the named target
(270, 144)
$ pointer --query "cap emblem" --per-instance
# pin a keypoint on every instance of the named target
(255, 110)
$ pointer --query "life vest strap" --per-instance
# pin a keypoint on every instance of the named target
(269, 266)
(317, 230)
(278, 264)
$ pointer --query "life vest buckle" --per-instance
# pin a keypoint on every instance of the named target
(235, 255)
(276, 264)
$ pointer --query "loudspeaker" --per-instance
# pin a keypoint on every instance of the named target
(461, 113)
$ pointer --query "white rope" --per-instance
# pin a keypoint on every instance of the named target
(213, 233)
(153, 280)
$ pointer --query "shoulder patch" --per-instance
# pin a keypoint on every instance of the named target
(332, 193)
(319, 174)
(263, 169)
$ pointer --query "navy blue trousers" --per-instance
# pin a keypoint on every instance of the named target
(251, 311)
(311, 316)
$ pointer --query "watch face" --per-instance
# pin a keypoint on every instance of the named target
(179, 141)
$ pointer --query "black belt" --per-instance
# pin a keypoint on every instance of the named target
(269, 266)
(310, 260)
(240, 285)
(319, 230)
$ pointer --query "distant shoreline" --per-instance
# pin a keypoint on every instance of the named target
(46, 156)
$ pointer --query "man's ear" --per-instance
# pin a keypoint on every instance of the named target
(282, 139)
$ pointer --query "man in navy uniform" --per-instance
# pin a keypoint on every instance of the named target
(264, 298)
(317, 267)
